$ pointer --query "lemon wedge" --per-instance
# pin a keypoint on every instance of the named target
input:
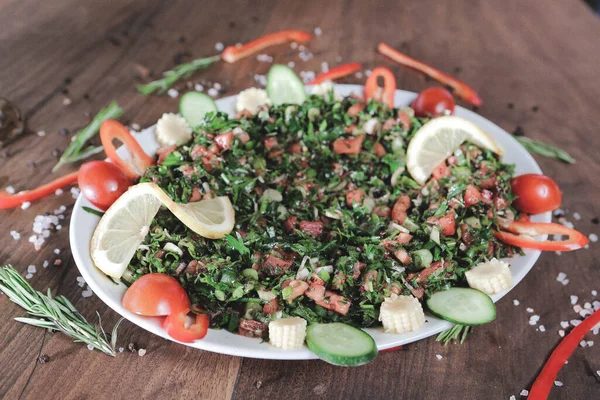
(127, 222)
(438, 139)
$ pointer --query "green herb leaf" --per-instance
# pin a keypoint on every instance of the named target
(238, 245)
(55, 313)
(75, 151)
(545, 149)
(458, 333)
(172, 76)
(93, 211)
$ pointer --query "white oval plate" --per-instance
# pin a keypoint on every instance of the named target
(220, 341)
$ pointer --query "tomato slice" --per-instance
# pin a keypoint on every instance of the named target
(176, 325)
(155, 295)
(385, 94)
(102, 183)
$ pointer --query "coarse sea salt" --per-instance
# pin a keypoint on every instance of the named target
(558, 383)
(219, 46)
(524, 392)
(529, 310)
(10, 190)
(561, 333)
(87, 292)
(212, 92)
(438, 356)
(516, 302)
(593, 237)
(318, 31)
(574, 300)
(172, 93)
(15, 235)
(75, 193)
(58, 192)
(561, 276)
(32, 269)
(542, 328)
(25, 205)
(564, 324)
(198, 87)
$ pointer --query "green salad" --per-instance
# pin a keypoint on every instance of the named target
(328, 223)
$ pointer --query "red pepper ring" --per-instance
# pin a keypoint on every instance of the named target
(576, 240)
(232, 54)
(336, 73)
(134, 168)
(460, 88)
(15, 200)
(385, 94)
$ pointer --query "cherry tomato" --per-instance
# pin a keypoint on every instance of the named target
(156, 295)
(537, 193)
(102, 183)
(433, 102)
(176, 325)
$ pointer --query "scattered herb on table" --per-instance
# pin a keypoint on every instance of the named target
(458, 333)
(56, 313)
(545, 149)
(77, 150)
(179, 72)
(93, 211)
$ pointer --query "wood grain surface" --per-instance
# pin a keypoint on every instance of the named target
(541, 57)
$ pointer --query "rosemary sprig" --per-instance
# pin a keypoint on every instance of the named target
(545, 149)
(456, 333)
(55, 313)
(76, 151)
(172, 76)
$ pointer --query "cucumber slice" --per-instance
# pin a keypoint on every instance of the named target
(341, 344)
(284, 86)
(463, 306)
(194, 105)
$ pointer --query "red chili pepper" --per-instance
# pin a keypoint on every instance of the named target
(232, 54)
(391, 349)
(575, 241)
(337, 72)
(373, 91)
(134, 168)
(460, 88)
(544, 382)
(15, 200)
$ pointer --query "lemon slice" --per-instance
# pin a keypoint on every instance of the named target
(438, 139)
(127, 222)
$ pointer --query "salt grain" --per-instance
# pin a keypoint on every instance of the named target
(583, 343)
(558, 383)
(533, 320)
(574, 300)
(561, 276)
(15, 235)
(58, 192)
(219, 46)
(291, 64)
(358, 75)
(542, 328)
(41, 133)
(264, 58)
(577, 216)
(87, 292)
(45, 264)
(524, 392)
(56, 251)
(173, 93)
(74, 193)
(90, 346)
(260, 79)
(10, 190)
(529, 309)
(516, 302)
(198, 87)
(577, 308)
(324, 66)
(32, 269)
(28, 276)
(212, 92)
(587, 305)
(565, 282)
(512, 397)
(594, 293)
(318, 31)
(438, 356)
(294, 45)
(141, 352)
(217, 85)
(121, 349)
(561, 333)
(590, 343)
(593, 237)
(575, 322)
(368, 72)
(25, 205)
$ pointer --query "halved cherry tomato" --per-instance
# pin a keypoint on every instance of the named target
(385, 94)
(520, 234)
(155, 295)
(176, 325)
(134, 168)
(537, 193)
(433, 102)
(102, 183)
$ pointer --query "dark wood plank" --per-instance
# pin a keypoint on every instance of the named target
(518, 52)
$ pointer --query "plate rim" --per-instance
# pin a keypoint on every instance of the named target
(150, 324)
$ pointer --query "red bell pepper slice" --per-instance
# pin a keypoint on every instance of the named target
(576, 240)
(134, 168)
(544, 382)
(15, 200)
(460, 88)
(336, 73)
(373, 91)
(232, 54)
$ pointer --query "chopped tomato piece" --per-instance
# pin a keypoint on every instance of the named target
(355, 109)
(379, 150)
(328, 299)
(354, 197)
(224, 140)
(441, 171)
(472, 196)
(382, 211)
(348, 146)
(447, 223)
(271, 307)
(402, 256)
(313, 228)
(399, 213)
(290, 224)
(298, 289)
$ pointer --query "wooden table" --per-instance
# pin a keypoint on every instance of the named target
(535, 66)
